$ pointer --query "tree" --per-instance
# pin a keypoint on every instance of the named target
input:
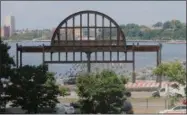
(167, 25)
(6, 64)
(33, 89)
(173, 70)
(158, 24)
(101, 93)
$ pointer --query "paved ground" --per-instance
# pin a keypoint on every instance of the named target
(141, 94)
(141, 101)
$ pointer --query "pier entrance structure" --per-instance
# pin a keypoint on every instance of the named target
(89, 32)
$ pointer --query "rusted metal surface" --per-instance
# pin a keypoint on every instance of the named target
(88, 13)
(39, 49)
(95, 61)
(99, 38)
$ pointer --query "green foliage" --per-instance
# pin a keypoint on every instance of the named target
(158, 24)
(173, 70)
(33, 89)
(124, 79)
(173, 100)
(64, 91)
(101, 93)
(6, 64)
(168, 30)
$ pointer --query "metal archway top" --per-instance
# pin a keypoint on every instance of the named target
(88, 12)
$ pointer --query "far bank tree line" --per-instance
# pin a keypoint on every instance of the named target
(169, 30)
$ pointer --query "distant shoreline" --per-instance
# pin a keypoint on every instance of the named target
(159, 41)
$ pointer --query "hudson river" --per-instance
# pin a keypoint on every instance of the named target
(169, 52)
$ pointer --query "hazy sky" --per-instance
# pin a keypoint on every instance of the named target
(48, 14)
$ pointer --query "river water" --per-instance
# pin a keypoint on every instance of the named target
(169, 52)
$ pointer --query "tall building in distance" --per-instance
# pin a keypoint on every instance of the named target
(10, 22)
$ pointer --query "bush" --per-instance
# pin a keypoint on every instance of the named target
(64, 91)
(101, 93)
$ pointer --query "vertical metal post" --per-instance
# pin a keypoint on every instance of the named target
(66, 34)
(118, 35)
(125, 55)
(17, 60)
(110, 41)
(133, 65)
(51, 54)
(157, 63)
(88, 21)
(58, 35)
(66, 55)
(81, 35)
(74, 36)
(96, 33)
(88, 62)
(21, 56)
(160, 51)
(147, 103)
(103, 36)
(43, 54)
(160, 80)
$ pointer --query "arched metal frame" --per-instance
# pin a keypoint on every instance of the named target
(89, 46)
(55, 34)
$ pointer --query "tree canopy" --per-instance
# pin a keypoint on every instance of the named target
(6, 64)
(33, 89)
(174, 71)
(102, 92)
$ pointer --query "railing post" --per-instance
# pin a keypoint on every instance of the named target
(43, 54)
(17, 63)
(21, 56)
(88, 62)
(165, 103)
(133, 65)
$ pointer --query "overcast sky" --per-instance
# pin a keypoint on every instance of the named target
(48, 14)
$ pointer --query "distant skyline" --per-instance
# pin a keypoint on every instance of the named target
(48, 14)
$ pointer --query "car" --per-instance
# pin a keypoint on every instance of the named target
(64, 109)
(180, 109)
(156, 94)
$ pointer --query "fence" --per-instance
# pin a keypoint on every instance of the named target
(149, 105)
